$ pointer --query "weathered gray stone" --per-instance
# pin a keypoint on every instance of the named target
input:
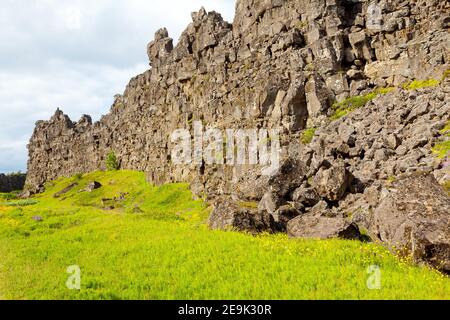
(289, 176)
(332, 183)
(318, 97)
(360, 45)
(321, 209)
(313, 227)
(270, 202)
(414, 220)
(283, 215)
(306, 196)
(231, 215)
(65, 190)
(93, 186)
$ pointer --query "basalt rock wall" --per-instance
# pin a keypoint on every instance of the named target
(282, 63)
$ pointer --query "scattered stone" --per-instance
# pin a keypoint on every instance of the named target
(313, 227)
(306, 196)
(65, 190)
(289, 177)
(283, 215)
(229, 215)
(393, 141)
(321, 209)
(93, 186)
(137, 210)
(270, 202)
(25, 194)
(332, 183)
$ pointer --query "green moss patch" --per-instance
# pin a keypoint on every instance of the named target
(308, 135)
(348, 105)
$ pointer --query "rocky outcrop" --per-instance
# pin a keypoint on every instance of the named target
(12, 182)
(281, 65)
(351, 160)
(93, 186)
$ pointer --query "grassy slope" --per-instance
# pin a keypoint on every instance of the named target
(166, 252)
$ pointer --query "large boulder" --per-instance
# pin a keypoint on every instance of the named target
(283, 215)
(315, 227)
(270, 202)
(239, 216)
(332, 183)
(414, 220)
(306, 196)
(289, 177)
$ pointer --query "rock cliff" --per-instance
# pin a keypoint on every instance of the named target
(282, 64)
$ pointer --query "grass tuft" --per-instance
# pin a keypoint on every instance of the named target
(19, 203)
(348, 105)
(442, 149)
(248, 204)
(445, 75)
(447, 186)
(420, 84)
(308, 135)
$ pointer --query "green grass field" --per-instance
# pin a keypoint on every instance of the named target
(152, 243)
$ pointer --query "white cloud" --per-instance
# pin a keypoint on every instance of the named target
(73, 18)
(75, 55)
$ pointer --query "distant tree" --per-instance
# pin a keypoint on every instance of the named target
(111, 162)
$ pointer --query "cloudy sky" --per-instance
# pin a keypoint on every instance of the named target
(75, 55)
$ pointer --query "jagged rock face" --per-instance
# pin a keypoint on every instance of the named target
(281, 63)
(12, 182)
(351, 159)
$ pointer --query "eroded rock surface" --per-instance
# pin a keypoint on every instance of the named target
(281, 65)
(414, 219)
(314, 227)
(234, 215)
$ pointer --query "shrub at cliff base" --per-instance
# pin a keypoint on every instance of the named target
(134, 241)
(111, 162)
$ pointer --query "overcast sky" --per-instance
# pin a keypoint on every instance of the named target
(75, 55)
